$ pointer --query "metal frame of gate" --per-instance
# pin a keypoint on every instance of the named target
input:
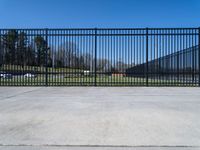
(100, 57)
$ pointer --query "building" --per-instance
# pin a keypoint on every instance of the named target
(178, 64)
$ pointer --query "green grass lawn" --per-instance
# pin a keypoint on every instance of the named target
(87, 81)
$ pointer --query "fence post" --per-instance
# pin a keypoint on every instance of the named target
(95, 58)
(199, 53)
(1, 56)
(46, 59)
(147, 63)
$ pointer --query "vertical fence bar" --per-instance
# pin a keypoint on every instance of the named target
(46, 59)
(1, 56)
(199, 53)
(147, 64)
(193, 58)
(95, 58)
(177, 46)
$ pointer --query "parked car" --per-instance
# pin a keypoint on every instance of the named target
(6, 76)
(1, 75)
(30, 75)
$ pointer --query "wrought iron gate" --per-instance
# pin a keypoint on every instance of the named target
(100, 57)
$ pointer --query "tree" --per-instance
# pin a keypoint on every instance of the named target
(70, 54)
(81, 62)
(67, 55)
(41, 45)
(30, 54)
(21, 50)
(121, 66)
(15, 49)
(9, 42)
(1, 52)
(103, 65)
(88, 62)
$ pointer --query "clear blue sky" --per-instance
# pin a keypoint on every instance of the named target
(99, 13)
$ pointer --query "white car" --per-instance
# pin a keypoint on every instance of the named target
(86, 72)
(1, 75)
(6, 76)
(30, 75)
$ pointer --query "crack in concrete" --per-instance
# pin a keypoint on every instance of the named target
(136, 146)
(12, 96)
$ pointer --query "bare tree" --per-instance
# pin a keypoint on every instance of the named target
(103, 65)
(66, 55)
(121, 66)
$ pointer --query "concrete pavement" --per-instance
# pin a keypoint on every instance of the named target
(126, 117)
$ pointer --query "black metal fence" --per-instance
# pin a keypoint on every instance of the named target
(100, 57)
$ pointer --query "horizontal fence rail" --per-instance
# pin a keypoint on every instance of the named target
(100, 57)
